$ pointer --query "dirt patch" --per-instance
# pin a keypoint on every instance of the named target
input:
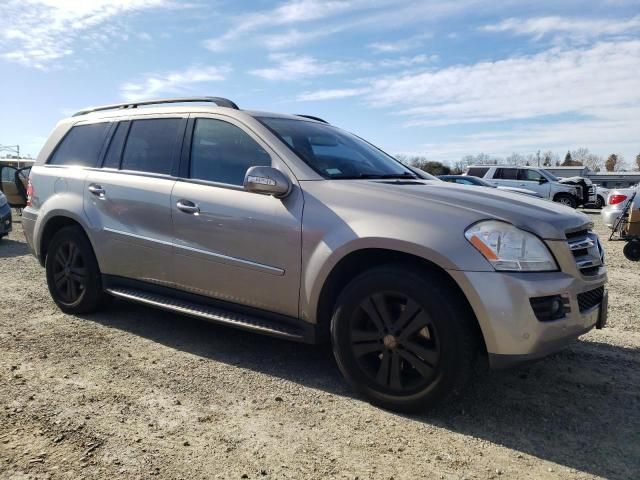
(133, 392)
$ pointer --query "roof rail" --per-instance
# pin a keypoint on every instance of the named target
(219, 101)
(313, 118)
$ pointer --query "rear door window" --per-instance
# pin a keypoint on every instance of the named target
(478, 171)
(150, 145)
(81, 146)
(507, 173)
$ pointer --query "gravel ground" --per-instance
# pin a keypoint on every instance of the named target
(138, 393)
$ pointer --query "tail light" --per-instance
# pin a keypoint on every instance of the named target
(616, 199)
(29, 192)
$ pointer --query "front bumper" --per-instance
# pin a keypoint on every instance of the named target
(511, 330)
(5, 220)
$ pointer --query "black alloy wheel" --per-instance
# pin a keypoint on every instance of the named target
(395, 343)
(69, 272)
(403, 337)
(73, 275)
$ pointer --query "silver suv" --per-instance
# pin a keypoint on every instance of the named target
(288, 226)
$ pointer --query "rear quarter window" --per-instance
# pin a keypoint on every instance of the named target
(81, 146)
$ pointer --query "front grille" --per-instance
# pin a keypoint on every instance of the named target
(586, 250)
(590, 299)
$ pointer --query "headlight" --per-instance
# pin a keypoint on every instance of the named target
(3, 200)
(508, 248)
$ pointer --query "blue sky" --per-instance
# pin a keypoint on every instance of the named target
(436, 78)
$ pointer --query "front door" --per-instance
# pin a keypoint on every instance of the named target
(13, 183)
(230, 244)
(533, 180)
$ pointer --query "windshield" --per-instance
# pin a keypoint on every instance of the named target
(334, 153)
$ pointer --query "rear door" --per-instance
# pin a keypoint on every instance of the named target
(127, 200)
(505, 177)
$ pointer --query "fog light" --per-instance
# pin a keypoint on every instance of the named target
(553, 307)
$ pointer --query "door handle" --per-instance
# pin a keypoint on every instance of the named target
(187, 206)
(97, 190)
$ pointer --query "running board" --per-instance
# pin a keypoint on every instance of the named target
(211, 313)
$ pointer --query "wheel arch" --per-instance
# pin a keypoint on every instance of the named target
(53, 224)
(359, 261)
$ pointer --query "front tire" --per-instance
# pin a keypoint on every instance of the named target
(566, 199)
(402, 339)
(73, 275)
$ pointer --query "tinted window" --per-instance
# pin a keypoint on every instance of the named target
(478, 171)
(529, 175)
(150, 145)
(81, 146)
(112, 158)
(507, 173)
(222, 152)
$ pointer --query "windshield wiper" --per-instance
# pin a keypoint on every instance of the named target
(381, 176)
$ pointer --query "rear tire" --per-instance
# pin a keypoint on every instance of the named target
(599, 202)
(73, 275)
(632, 250)
(566, 199)
(405, 341)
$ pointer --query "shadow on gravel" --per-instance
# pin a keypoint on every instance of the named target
(11, 248)
(579, 408)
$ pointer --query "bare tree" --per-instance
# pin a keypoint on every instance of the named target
(423, 163)
(550, 158)
(638, 161)
(588, 159)
(515, 159)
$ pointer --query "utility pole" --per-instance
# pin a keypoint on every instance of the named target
(11, 148)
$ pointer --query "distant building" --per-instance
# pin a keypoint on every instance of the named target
(604, 179)
(569, 171)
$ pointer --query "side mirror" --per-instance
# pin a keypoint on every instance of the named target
(542, 180)
(267, 181)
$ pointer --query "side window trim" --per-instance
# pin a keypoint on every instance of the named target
(110, 138)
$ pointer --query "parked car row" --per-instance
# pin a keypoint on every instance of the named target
(288, 226)
(573, 192)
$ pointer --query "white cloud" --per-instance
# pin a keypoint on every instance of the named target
(590, 81)
(177, 82)
(576, 29)
(289, 66)
(36, 33)
(331, 94)
(400, 45)
(288, 13)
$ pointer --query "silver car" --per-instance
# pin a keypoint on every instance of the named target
(288, 226)
(616, 202)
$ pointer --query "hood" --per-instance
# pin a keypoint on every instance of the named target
(575, 180)
(449, 202)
